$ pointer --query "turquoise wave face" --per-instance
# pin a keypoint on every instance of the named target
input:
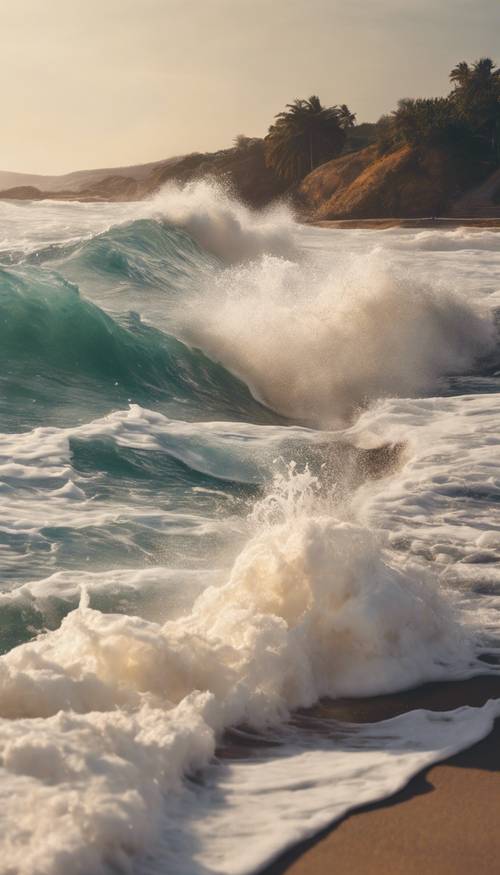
(144, 253)
(62, 356)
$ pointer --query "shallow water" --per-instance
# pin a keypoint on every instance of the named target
(192, 537)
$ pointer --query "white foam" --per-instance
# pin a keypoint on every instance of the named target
(221, 224)
(442, 507)
(247, 812)
(102, 717)
(318, 346)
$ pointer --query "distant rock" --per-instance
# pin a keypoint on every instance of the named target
(22, 193)
(113, 188)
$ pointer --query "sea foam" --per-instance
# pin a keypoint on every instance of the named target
(319, 345)
(104, 716)
(221, 224)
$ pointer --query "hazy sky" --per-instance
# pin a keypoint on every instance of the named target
(89, 83)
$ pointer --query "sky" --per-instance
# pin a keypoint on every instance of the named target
(97, 83)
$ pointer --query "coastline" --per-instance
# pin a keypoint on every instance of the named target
(444, 822)
(492, 224)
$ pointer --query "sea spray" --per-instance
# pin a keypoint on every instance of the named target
(222, 225)
(318, 345)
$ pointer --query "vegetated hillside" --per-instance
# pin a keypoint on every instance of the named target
(360, 137)
(408, 182)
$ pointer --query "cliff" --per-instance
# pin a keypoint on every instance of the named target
(406, 183)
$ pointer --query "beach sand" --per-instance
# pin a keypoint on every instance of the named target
(491, 224)
(445, 822)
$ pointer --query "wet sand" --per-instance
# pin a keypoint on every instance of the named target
(379, 224)
(445, 822)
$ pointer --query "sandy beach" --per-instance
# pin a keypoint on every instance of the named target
(491, 224)
(444, 822)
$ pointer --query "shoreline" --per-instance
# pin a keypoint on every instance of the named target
(444, 821)
(492, 224)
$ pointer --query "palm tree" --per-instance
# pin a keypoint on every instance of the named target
(347, 119)
(460, 74)
(477, 98)
(305, 135)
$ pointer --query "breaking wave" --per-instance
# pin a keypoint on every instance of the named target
(320, 346)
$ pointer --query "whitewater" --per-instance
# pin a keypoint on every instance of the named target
(245, 465)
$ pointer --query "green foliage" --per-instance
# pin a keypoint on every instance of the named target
(305, 135)
(466, 121)
(428, 122)
(360, 137)
(476, 98)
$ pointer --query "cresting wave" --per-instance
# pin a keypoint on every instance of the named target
(56, 347)
(204, 209)
(319, 345)
(223, 226)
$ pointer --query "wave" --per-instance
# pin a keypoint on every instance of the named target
(222, 225)
(144, 253)
(122, 708)
(174, 224)
(51, 336)
(318, 346)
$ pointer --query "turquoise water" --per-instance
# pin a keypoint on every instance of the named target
(191, 538)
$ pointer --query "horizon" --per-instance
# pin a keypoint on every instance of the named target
(184, 77)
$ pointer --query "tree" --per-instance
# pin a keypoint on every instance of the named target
(347, 119)
(242, 142)
(427, 122)
(476, 96)
(460, 74)
(305, 135)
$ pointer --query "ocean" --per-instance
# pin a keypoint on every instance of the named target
(245, 465)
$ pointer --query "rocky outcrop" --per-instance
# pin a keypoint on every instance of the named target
(22, 193)
(112, 188)
(406, 183)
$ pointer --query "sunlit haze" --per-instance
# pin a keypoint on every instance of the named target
(90, 83)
